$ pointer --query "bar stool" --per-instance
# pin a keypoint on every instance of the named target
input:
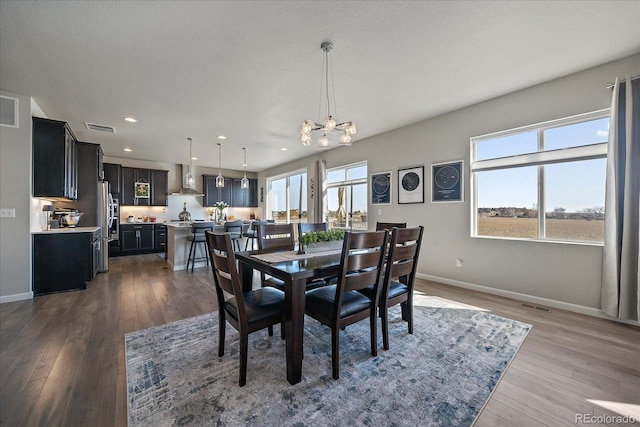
(198, 237)
(234, 228)
(252, 233)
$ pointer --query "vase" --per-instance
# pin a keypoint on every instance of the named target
(313, 248)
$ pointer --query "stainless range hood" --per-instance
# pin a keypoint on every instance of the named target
(186, 190)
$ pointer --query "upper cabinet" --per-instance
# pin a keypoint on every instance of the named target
(157, 188)
(113, 175)
(232, 192)
(55, 160)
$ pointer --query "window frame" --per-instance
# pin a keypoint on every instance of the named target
(287, 177)
(540, 158)
(349, 183)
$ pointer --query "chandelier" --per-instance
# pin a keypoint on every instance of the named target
(330, 124)
(244, 182)
(219, 178)
(189, 175)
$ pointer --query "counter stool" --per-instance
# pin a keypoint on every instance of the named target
(198, 237)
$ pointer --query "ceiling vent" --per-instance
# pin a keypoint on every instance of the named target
(8, 111)
(101, 128)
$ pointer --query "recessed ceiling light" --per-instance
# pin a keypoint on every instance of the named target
(284, 149)
(194, 158)
(130, 119)
(128, 150)
(222, 137)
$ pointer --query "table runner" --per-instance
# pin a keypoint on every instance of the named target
(274, 257)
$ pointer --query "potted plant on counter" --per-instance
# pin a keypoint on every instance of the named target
(321, 241)
(220, 206)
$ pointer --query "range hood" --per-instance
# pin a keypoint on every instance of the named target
(186, 190)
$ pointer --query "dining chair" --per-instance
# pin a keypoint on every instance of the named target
(247, 312)
(234, 228)
(389, 225)
(340, 305)
(252, 233)
(315, 226)
(279, 238)
(197, 238)
(399, 276)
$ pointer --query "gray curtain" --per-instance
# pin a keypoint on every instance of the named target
(620, 296)
(319, 192)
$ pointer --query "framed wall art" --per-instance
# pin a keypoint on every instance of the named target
(447, 180)
(380, 188)
(141, 190)
(411, 185)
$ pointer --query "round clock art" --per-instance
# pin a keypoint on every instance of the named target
(447, 182)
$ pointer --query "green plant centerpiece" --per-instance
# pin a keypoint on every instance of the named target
(321, 241)
(220, 206)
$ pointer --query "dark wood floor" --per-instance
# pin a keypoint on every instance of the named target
(62, 356)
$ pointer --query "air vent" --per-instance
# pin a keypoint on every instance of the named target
(101, 128)
(8, 111)
(537, 307)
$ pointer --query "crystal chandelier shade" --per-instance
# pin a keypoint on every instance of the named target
(345, 129)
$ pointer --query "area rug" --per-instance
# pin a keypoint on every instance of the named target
(441, 375)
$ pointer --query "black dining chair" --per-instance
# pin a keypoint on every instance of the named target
(399, 276)
(389, 225)
(340, 305)
(247, 312)
(197, 238)
(234, 228)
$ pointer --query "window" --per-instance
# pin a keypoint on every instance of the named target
(347, 197)
(287, 198)
(542, 182)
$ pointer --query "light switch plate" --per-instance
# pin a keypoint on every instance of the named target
(7, 213)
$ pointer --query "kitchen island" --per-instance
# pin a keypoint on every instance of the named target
(178, 246)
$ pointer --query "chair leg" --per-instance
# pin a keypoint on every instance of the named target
(189, 257)
(206, 255)
(409, 309)
(282, 335)
(221, 326)
(335, 353)
(246, 244)
(385, 325)
(270, 329)
(244, 346)
(373, 320)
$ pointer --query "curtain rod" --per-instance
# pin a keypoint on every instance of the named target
(610, 85)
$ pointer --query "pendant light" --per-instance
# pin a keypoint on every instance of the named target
(219, 178)
(188, 177)
(244, 182)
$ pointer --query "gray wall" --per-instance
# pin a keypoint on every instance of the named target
(15, 192)
(561, 275)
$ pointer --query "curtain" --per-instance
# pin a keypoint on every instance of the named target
(319, 193)
(620, 295)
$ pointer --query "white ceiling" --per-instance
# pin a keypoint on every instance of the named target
(252, 70)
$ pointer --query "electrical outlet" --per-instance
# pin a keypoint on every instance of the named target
(459, 262)
(379, 211)
(7, 213)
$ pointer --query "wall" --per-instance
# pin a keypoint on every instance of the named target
(560, 275)
(15, 192)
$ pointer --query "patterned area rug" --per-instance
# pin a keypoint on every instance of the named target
(441, 375)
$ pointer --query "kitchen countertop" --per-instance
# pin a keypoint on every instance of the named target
(68, 230)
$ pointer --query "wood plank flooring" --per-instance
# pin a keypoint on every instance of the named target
(62, 356)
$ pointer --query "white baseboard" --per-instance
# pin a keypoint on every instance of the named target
(589, 311)
(16, 297)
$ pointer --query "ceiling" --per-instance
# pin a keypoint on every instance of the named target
(252, 70)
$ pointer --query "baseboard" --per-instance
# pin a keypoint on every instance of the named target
(16, 297)
(589, 311)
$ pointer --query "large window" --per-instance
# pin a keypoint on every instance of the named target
(542, 182)
(347, 196)
(287, 198)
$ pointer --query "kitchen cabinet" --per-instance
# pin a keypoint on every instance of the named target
(62, 261)
(112, 174)
(55, 160)
(160, 238)
(158, 186)
(114, 248)
(232, 192)
(136, 239)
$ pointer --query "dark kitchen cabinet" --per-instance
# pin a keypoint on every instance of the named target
(158, 186)
(114, 248)
(62, 261)
(232, 192)
(160, 238)
(113, 175)
(55, 160)
(136, 239)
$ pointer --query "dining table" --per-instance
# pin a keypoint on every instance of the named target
(294, 269)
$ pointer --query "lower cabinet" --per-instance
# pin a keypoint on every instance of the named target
(141, 239)
(160, 238)
(62, 262)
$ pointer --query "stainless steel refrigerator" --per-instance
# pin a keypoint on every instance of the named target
(106, 215)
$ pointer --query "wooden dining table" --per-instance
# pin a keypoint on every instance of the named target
(294, 270)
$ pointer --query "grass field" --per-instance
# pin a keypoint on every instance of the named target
(527, 228)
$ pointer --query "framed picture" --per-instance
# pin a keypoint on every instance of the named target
(141, 190)
(447, 180)
(411, 185)
(380, 188)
